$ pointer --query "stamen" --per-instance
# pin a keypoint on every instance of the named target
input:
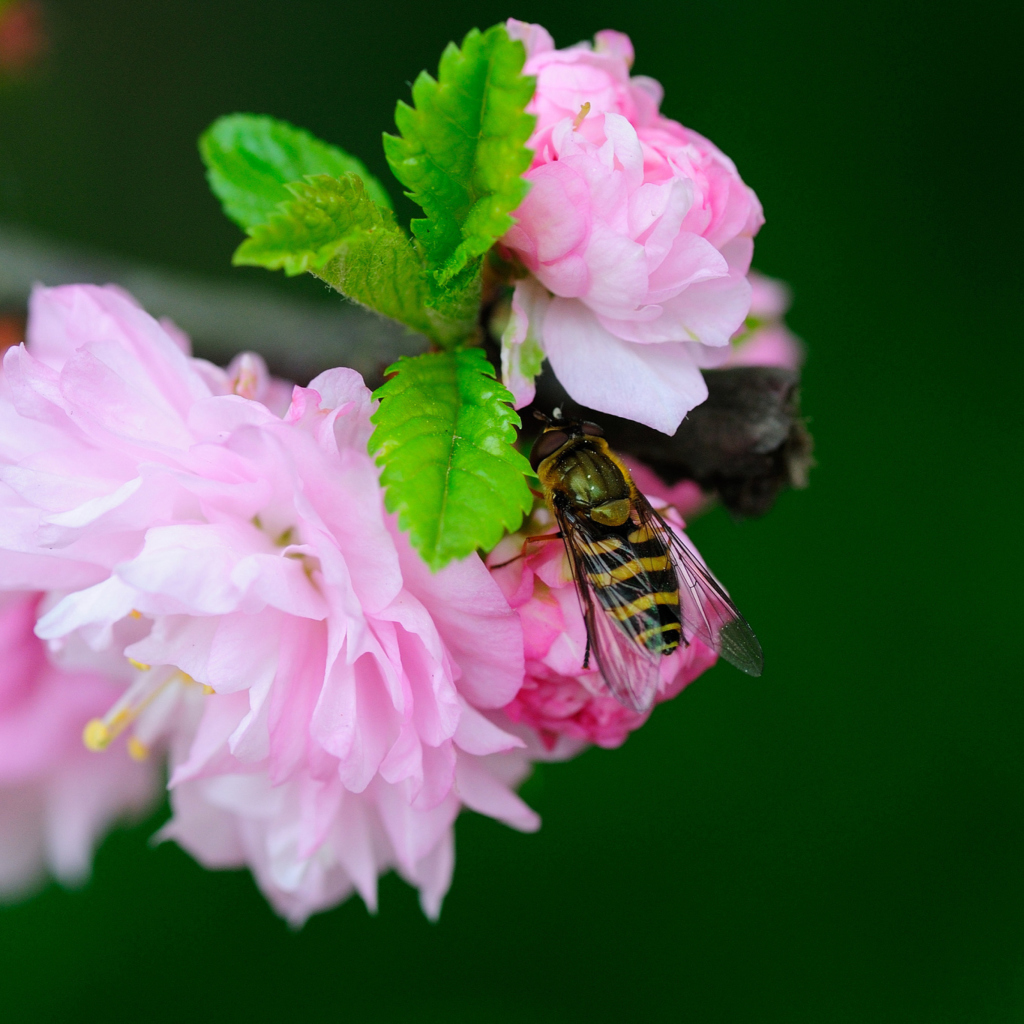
(135, 613)
(101, 732)
(247, 382)
(96, 736)
(140, 665)
(584, 110)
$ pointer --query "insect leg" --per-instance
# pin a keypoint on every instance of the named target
(534, 539)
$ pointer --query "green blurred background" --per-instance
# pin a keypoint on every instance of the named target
(839, 841)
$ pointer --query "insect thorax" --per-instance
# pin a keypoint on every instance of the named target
(585, 473)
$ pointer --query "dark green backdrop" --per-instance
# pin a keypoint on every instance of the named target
(841, 840)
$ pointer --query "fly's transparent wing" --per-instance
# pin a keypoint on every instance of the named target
(630, 670)
(707, 611)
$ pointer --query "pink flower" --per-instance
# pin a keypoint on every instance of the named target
(765, 340)
(637, 233)
(57, 800)
(348, 696)
(558, 698)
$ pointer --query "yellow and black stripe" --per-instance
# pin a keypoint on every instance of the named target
(630, 571)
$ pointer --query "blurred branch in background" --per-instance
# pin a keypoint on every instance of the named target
(298, 338)
(745, 444)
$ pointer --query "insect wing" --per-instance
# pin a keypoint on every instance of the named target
(706, 610)
(630, 671)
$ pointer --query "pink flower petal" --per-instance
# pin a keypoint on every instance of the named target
(481, 792)
(652, 384)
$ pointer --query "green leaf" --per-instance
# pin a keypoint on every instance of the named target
(462, 150)
(380, 270)
(322, 215)
(444, 434)
(457, 306)
(251, 158)
(333, 229)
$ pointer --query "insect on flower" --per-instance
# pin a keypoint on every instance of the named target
(642, 590)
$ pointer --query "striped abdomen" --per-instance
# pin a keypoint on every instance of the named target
(631, 572)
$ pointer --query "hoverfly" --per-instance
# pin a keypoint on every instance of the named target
(643, 592)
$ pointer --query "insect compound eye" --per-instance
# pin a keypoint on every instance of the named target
(592, 429)
(547, 444)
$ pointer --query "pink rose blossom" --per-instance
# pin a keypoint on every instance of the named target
(330, 704)
(637, 233)
(57, 800)
(559, 698)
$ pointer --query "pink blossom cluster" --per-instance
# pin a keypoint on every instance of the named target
(222, 585)
(195, 564)
(197, 571)
(637, 234)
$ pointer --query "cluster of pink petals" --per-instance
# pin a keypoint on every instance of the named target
(56, 799)
(766, 340)
(349, 699)
(200, 559)
(567, 705)
(637, 233)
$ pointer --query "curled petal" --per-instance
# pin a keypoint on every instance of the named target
(522, 353)
(652, 384)
(535, 38)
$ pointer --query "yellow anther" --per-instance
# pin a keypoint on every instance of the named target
(246, 384)
(140, 665)
(96, 736)
(135, 613)
(137, 749)
(208, 690)
(584, 110)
